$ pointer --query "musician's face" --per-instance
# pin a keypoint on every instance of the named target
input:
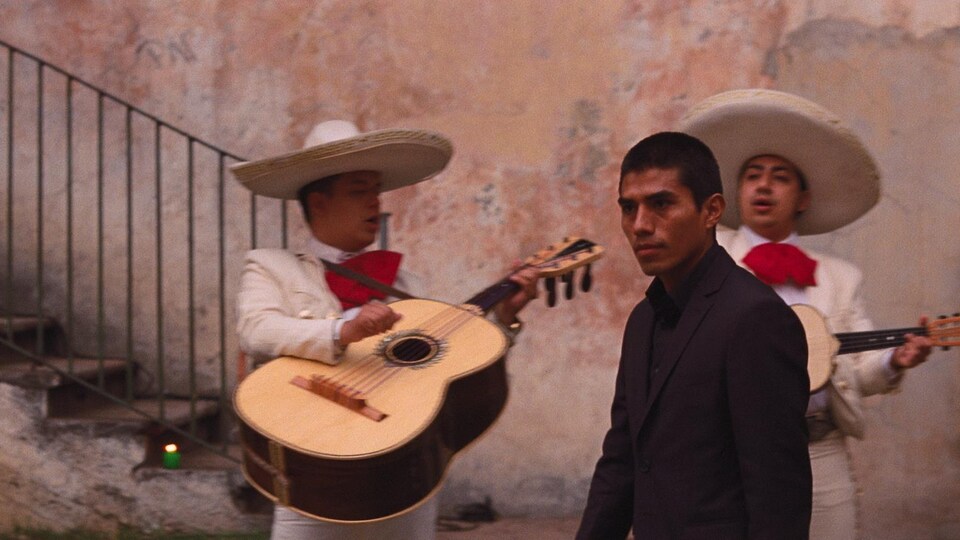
(667, 232)
(770, 197)
(348, 215)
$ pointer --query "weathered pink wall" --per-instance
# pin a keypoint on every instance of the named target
(541, 100)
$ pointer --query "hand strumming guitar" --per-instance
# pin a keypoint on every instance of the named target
(374, 318)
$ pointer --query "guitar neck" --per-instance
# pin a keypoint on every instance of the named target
(854, 342)
(492, 295)
(556, 260)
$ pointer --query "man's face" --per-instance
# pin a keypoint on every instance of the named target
(660, 219)
(348, 217)
(770, 197)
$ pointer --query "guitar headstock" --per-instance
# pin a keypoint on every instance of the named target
(565, 256)
(944, 331)
(561, 259)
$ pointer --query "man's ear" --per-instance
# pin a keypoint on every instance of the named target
(713, 209)
(803, 202)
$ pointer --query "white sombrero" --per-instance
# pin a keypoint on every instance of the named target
(402, 156)
(737, 125)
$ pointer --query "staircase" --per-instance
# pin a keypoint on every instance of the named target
(117, 274)
(78, 455)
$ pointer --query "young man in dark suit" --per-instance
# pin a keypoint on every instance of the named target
(708, 438)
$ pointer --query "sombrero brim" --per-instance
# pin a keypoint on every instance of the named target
(843, 179)
(403, 157)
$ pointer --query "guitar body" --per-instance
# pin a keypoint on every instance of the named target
(405, 403)
(822, 346)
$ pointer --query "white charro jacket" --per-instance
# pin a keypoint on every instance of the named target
(837, 296)
(285, 308)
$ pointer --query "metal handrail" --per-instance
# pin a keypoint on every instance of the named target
(51, 281)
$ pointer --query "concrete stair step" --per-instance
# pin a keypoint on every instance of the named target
(27, 373)
(13, 324)
(176, 411)
(26, 331)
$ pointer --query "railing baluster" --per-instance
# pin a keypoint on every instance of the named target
(161, 381)
(39, 282)
(253, 221)
(69, 308)
(283, 223)
(101, 331)
(191, 316)
(221, 265)
(128, 371)
(10, 221)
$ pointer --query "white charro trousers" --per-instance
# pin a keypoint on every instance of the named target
(834, 494)
(418, 524)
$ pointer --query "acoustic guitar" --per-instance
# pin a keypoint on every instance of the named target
(823, 346)
(371, 437)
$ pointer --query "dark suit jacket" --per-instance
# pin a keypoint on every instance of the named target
(719, 448)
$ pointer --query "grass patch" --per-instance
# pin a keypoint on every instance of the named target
(21, 533)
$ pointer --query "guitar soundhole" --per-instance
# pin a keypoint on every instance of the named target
(411, 348)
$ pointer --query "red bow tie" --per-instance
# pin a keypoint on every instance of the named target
(776, 263)
(379, 265)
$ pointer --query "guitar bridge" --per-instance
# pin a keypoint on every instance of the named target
(338, 393)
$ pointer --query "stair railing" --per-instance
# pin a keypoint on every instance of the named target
(125, 229)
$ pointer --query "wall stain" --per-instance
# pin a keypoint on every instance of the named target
(166, 52)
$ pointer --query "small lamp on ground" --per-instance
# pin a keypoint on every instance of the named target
(171, 457)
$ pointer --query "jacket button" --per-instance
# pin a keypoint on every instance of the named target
(644, 466)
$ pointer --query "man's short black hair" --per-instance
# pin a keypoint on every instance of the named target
(698, 169)
(323, 185)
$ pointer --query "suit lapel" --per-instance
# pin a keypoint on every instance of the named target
(644, 331)
(700, 303)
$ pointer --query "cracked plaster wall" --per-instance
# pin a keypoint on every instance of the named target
(541, 100)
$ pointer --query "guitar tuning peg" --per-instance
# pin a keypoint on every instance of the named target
(587, 280)
(567, 280)
(550, 284)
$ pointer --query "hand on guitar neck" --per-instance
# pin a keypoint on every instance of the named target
(914, 351)
(526, 277)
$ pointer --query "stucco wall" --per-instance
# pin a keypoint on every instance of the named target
(541, 100)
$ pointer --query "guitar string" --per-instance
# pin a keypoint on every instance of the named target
(891, 336)
(349, 375)
(448, 320)
(459, 319)
(357, 378)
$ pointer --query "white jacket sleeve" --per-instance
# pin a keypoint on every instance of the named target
(284, 308)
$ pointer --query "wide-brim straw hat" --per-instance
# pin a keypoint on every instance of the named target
(842, 177)
(402, 157)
